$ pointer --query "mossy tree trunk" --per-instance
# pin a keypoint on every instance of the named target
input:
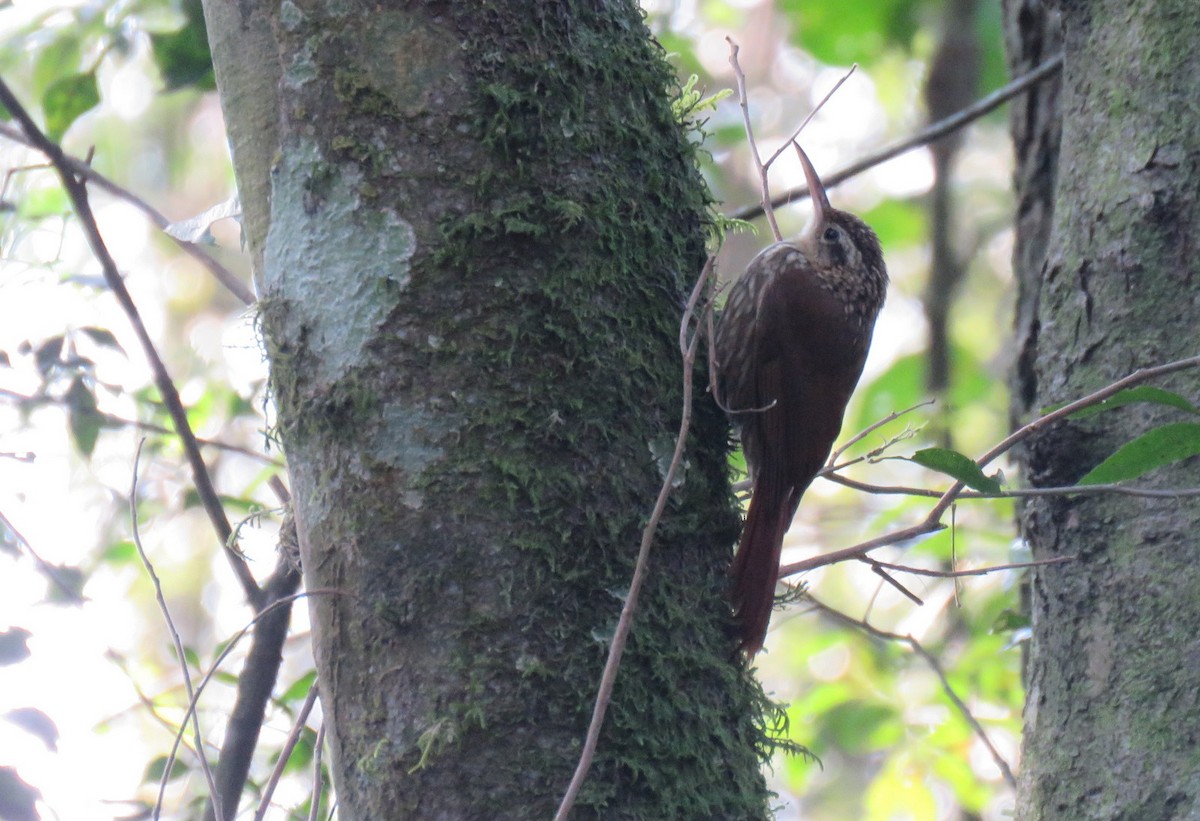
(1109, 263)
(473, 227)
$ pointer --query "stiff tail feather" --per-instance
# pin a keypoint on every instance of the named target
(755, 567)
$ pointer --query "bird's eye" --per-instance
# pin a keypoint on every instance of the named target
(830, 235)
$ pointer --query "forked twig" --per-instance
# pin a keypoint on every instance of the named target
(76, 189)
(954, 574)
(744, 102)
(796, 133)
(869, 429)
(179, 653)
(216, 665)
(926, 135)
(289, 744)
(763, 168)
(83, 169)
(934, 665)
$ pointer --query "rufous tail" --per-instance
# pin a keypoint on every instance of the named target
(755, 566)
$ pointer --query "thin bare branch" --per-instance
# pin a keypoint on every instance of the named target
(83, 169)
(744, 101)
(314, 807)
(616, 648)
(27, 400)
(861, 549)
(924, 136)
(285, 601)
(179, 653)
(808, 119)
(934, 665)
(289, 744)
(904, 591)
(76, 189)
(954, 574)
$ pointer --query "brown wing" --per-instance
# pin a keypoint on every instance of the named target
(746, 383)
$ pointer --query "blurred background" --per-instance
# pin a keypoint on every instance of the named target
(91, 694)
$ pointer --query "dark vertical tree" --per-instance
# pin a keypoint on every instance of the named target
(474, 227)
(1107, 261)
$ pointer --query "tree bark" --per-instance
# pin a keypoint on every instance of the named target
(1108, 271)
(480, 225)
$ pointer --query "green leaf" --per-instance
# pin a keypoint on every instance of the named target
(958, 466)
(44, 202)
(17, 799)
(56, 58)
(118, 553)
(102, 337)
(299, 688)
(844, 33)
(1010, 620)
(66, 99)
(1142, 393)
(36, 723)
(183, 57)
(81, 411)
(13, 647)
(64, 584)
(302, 753)
(154, 770)
(1154, 448)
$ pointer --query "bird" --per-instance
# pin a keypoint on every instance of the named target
(790, 347)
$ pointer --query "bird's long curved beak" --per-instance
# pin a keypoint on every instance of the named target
(816, 190)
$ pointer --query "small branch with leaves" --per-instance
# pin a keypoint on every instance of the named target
(688, 343)
(1128, 463)
(83, 170)
(76, 188)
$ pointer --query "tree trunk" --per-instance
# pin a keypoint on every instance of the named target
(473, 244)
(1108, 272)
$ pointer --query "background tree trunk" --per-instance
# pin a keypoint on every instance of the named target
(1108, 274)
(480, 225)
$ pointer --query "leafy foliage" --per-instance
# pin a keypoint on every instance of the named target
(955, 464)
(183, 56)
(66, 99)
(873, 712)
(1155, 448)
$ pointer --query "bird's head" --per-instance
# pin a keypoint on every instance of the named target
(841, 244)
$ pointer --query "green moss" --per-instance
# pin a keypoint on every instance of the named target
(360, 92)
(538, 343)
(586, 246)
